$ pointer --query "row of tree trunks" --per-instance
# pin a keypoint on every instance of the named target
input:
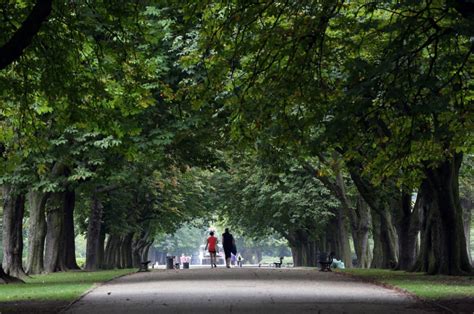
(140, 248)
(443, 242)
(93, 245)
(304, 249)
(337, 187)
(118, 251)
(36, 232)
(13, 212)
(381, 201)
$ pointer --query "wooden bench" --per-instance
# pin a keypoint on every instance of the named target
(325, 261)
(278, 264)
(144, 266)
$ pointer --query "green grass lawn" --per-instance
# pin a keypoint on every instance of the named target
(424, 286)
(65, 286)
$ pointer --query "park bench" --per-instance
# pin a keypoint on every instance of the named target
(278, 264)
(144, 266)
(325, 261)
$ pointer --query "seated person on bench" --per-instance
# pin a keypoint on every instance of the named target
(325, 261)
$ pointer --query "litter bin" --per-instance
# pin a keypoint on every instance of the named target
(169, 262)
(186, 265)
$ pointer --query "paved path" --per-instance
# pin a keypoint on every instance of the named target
(243, 290)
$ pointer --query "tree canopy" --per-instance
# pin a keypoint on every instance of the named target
(316, 121)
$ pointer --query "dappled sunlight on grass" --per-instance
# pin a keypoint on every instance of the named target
(420, 284)
(57, 286)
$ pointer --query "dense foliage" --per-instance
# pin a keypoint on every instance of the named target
(313, 121)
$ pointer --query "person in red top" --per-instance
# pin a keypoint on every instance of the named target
(211, 246)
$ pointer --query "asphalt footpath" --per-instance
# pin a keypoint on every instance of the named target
(245, 290)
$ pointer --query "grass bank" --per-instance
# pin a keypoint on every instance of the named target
(53, 290)
(455, 292)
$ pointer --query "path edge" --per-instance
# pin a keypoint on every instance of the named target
(398, 289)
(94, 286)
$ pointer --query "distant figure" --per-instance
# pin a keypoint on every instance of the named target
(183, 259)
(211, 246)
(239, 260)
(229, 246)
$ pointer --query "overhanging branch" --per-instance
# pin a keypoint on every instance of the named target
(23, 36)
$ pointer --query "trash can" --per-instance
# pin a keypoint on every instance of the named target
(169, 262)
(186, 265)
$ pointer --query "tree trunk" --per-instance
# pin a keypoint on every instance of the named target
(443, 243)
(342, 238)
(467, 206)
(101, 248)
(110, 248)
(380, 202)
(360, 233)
(126, 251)
(93, 234)
(55, 243)
(13, 212)
(69, 234)
(303, 249)
(408, 229)
(385, 241)
(36, 232)
(337, 187)
(4, 278)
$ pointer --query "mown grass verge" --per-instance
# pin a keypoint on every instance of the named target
(424, 286)
(66, 286)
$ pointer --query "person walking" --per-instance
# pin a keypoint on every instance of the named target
(211, 246)
(228, 243)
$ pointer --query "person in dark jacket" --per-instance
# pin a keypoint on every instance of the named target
(228, 243)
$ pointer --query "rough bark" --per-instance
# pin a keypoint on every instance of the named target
(36, 232)
(126, 251)
(337, 187)
(381, 205)
(13, 212)
(361, 223)
(93, 234)
(109, 248)
(140, 248)
(342, 238)
(101, 248)
(13, 48)
(69, 234)
(385, 241)
(467, 207)
(55, 242)
(5, 278)
(443, 247)
(408, 229)
(304, 249)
